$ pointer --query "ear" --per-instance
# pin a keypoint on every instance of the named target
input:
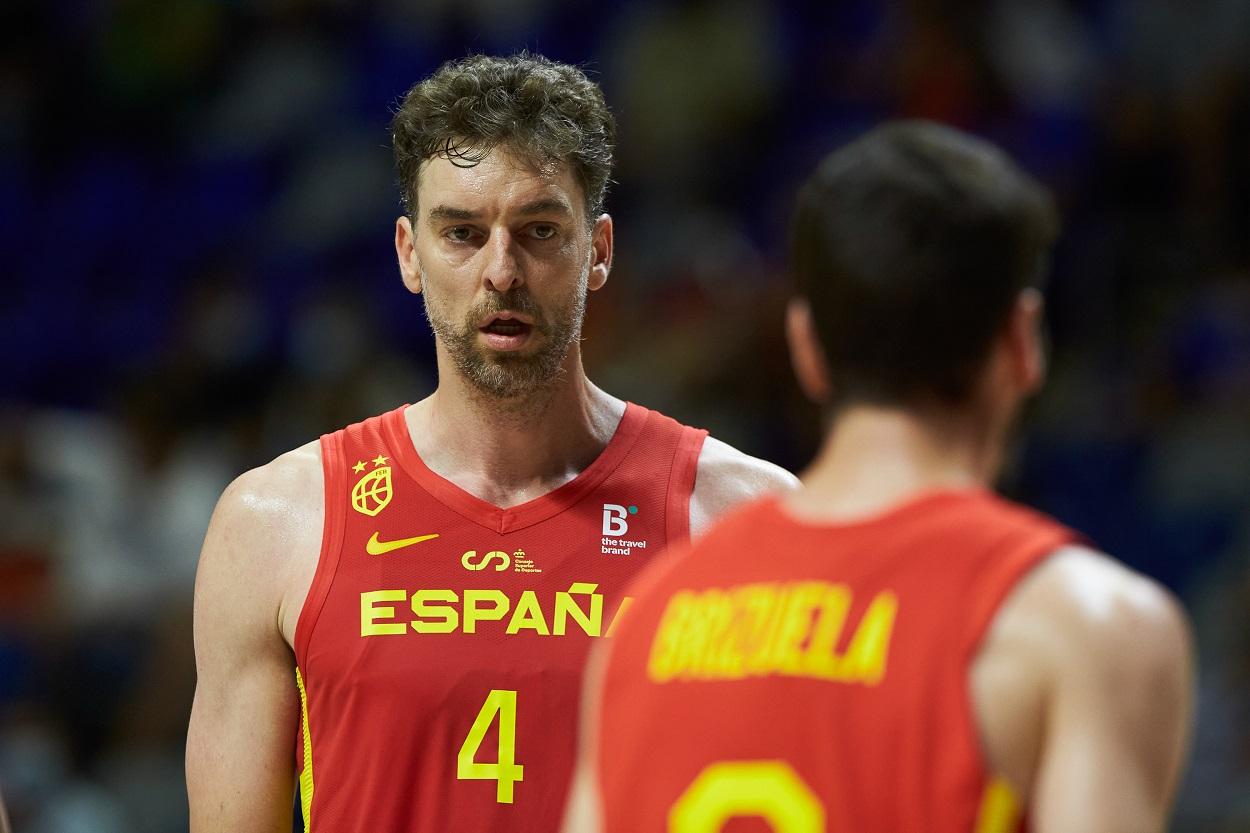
(1025, 352)
(406, 252)
(601, 248)
(808, 357)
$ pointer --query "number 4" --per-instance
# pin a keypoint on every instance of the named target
(507, 771)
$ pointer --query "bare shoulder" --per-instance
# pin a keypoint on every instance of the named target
(726, 477)
(1101, 617)
(265, 534)
(1082, 641)
(268, 503)
(1096, 594)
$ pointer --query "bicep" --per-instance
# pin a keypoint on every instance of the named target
(240, 752)
(244, 718)
(1117, 723)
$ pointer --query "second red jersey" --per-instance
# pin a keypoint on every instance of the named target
(440, 648)
(803, 678)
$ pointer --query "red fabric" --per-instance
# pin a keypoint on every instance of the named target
(388, 713)
(900, 755)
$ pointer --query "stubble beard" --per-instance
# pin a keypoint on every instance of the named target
(511, 379)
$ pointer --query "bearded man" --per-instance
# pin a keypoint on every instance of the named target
(397, 615)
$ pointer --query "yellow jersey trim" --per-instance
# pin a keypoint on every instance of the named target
(306, 774)
(1000, 808)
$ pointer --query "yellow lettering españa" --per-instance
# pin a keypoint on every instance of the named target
(451, 611)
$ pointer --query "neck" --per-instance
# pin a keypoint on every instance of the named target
(508, 451)
(874, 458)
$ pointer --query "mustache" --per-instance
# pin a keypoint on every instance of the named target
(514, 300)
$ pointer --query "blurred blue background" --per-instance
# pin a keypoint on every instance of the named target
(196, 220)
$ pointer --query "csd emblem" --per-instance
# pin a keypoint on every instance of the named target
(470, 560)
(373, 492)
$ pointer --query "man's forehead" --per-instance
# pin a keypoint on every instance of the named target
(501, 177)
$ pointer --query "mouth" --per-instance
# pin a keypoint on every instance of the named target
(506, 330)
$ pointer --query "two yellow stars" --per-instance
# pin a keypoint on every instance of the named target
(377, 461)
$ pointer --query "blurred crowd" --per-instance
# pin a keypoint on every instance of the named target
(196, 220)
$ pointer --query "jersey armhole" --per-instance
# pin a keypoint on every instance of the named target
(331, 546)
(1004, 575)
(681, 485)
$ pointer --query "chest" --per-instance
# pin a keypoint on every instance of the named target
(419, 586)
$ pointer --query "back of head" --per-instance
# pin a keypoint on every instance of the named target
(545, 112)
(911, 245)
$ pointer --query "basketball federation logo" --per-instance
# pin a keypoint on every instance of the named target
(373, 492)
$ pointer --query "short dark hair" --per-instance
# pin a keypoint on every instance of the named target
(910, 245)
(548, 112)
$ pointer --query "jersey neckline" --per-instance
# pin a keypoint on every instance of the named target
(533, 511)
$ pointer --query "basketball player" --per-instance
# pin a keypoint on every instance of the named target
(895, 648)
(399, 613)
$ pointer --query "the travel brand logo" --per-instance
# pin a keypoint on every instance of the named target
(615, 526)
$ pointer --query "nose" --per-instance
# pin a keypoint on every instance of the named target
(502, 269)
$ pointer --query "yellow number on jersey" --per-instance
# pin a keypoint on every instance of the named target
(507, 771)
(771, 789)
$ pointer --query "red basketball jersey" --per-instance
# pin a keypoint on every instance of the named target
(803, 678)
(440, 649)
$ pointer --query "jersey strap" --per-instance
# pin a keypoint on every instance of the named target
(682, 480)
(335, 491)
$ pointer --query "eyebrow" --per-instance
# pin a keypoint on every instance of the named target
(546, 205)
(447, 212)
(543, 205)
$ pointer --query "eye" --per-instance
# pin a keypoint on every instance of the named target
(543, 231)
(459, 234)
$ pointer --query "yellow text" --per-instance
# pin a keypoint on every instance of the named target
(580, 608)
(791, 629)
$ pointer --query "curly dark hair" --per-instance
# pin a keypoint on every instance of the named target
(548, 112)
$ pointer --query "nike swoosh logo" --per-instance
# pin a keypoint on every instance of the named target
(375, 547)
